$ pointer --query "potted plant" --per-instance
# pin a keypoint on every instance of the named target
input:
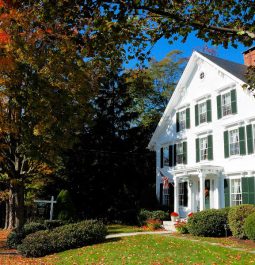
(174, 216)
(190, 214)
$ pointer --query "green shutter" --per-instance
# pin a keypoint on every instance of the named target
(249, 134)
(175, 155)
(185, 158)
(161, 157)
(210, 147)
(196, 115)
(209, 110)
(161, 194)
(233, 101)
(177, 122)
(248, 193)
(197, 150)
(242, 141)
(226, 144)
(171, 161)
(219, 111)
(227, 192)
(187, 118)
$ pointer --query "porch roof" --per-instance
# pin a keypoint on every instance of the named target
(185, 171)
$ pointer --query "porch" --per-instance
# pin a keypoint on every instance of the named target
(198, 188)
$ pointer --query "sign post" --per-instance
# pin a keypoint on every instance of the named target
(51, 205)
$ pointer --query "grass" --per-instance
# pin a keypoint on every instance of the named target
(155, 250)
(117, 228)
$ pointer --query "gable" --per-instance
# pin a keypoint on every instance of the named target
(200, 78)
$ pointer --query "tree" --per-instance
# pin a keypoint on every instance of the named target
(44, 96)
(151, 88)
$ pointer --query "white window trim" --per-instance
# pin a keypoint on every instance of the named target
(199, 104)
(200, 150)
(165, 164)
(222, 110)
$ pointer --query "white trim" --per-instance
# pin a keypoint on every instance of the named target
(204, 97)
(224, 88)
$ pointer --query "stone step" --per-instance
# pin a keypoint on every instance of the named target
(169, 226)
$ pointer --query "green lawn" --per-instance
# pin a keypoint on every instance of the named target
(153, 249)
(115, 229)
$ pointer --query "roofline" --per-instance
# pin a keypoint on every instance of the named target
(176, 95)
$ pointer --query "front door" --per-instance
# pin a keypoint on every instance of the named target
(207, 193)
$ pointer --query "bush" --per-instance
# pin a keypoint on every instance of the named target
(63, 238)
(181, 227)
(153, 224)
(145, 215)
(236, 218)
(50, 224)
(249, 226)
(16, 236)
(208, 223)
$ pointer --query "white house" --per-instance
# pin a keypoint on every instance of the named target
(205, 140)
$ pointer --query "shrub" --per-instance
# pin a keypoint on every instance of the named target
(16, 236)
(50, 224)
(145, 215)
(181, 227)
(236, 218)
(208, 223)
(63, 238)
(249, 226)
(153, 224)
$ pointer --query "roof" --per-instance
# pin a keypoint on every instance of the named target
(236, 69)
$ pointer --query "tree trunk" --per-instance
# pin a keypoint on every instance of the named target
(6, 224)
(19, 206)
(11, 214)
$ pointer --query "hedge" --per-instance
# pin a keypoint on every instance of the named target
(208, 223)
(63, 238)
(249, 226)
(236, 218)
(16, 236)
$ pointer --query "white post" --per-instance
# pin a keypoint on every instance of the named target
(176, 193)
(51, 208)
(202, 191)
(217, 193)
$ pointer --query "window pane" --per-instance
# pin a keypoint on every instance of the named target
(166, 156)
(226, 104)
(182, 120)
(234, 142)
(203, 148)
(179, 153)
(236, 192)
(202, 112)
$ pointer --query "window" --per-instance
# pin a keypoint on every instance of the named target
(236, 193)
(234, 147)
(182, 120)
(179, 153)
(204, 148)
(226, 104)
(202, 75)
(253, 132)
(183, 194)
(165, 197)
(202, 112)
(165, 156)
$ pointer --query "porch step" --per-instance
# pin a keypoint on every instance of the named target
(169, 226)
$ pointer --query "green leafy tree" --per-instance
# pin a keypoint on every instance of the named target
(151, 88)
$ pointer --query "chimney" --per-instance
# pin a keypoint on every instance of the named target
(249, 57)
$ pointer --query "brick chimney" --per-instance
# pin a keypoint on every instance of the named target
(249, 57)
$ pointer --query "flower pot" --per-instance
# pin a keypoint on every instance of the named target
(174, 218)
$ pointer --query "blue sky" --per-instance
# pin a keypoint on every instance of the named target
(160, 50)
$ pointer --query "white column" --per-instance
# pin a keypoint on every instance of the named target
(176, 197)
(221, 191)
(216, 193)
(202, 191)
(190, 196)
(158, 178)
